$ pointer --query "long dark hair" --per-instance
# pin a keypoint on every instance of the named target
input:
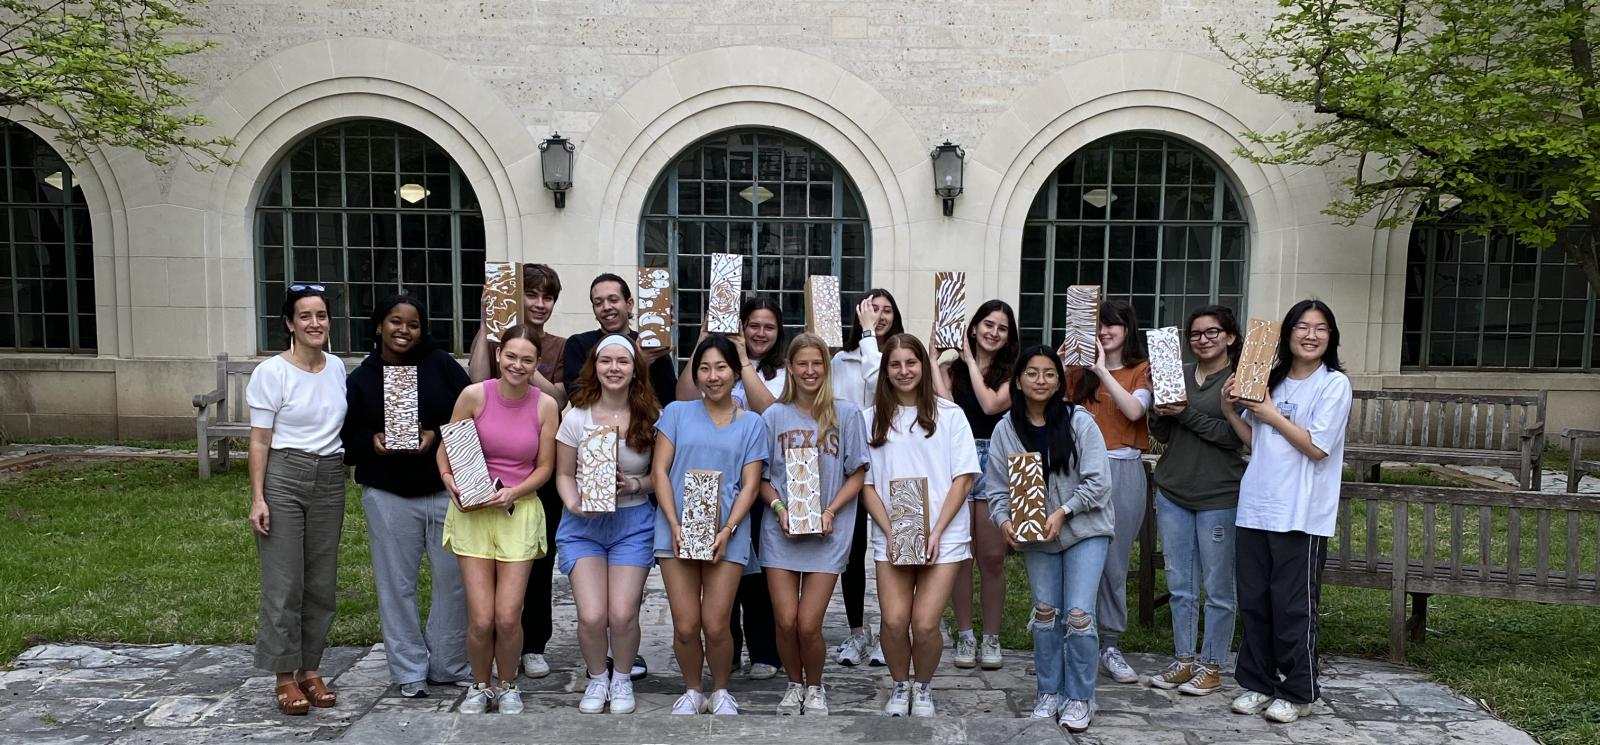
(1057, 415)
(424, 344)
(1330, 356)
(1116, 312)
(1004, 364)
(770, 363)
(722, 344)
(852, 338)
(295, 296)
(1226, 320)
(885, 401)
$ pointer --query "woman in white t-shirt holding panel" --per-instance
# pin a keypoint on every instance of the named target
(297, 407)
(912, 433)
(1288, 502)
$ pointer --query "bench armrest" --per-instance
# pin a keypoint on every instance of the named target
(1535, 429)
(1581, 434)
(206, 399)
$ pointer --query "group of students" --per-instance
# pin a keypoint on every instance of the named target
(1249, 535)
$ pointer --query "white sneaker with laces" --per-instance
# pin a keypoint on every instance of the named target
(621, 694)
(595, 694)
(689, 704)
(414, 690)
(989, 653)
(477, 699)
(1286, 712)
(816, 702)
(853, 650)
(1115, 666)
(966, 652)
(1075, 715)
(876, 660)
(922, 702)
(722, 704)
(509, 701)
(899, 701)
(793, 700)
(761, 671)
(1048, 705)
(1250, 702)
(534, 665)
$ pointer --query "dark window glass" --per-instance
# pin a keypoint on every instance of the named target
(45, 244)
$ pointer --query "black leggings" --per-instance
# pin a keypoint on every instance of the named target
(536, 624)
(854, 582)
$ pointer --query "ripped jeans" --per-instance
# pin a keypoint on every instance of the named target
(1198, 545)
(1066, 645)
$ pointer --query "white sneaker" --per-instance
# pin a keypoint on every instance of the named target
(1075, 715)
(1285, 712)
(922, 702)
(689, 704)
(595, 695)
(509, 701)
(793, 700)
(899, 701)
(1111, 661)
(621, 695)
(761, 671)
(534, 666)
(1049, 704)
(989, 653)
(853, 650)
(477, 699)
(722, 704)
(966, 652)
(816, 703)
(876, 660)
(1250, 702)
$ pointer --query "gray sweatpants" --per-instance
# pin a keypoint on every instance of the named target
(1128, 496)
(401, 530)
(299, 559)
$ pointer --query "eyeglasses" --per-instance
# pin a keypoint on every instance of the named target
(1210, 334)
(303, 288)
(1306, 329)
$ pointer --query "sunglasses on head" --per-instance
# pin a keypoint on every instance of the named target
(303, 288)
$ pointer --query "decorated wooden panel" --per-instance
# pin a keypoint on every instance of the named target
(1255, 362)
(822, 309)
(701, 515)
(1025, 475)
(908, 521)
(1082, 324)
(401, 429)
(655, 308)
(1166, 365)
(803, 503)
(597, 469)
(465, 454)
(726, 291)
(502, 298)
(950, 309)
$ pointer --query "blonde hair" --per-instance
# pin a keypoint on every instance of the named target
(822, 406)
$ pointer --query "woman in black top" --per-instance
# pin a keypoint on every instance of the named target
(404, 500)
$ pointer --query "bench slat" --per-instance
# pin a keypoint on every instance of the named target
(1372, 532)
(1469, 496)
(1344, 534)
(1428, 538)
(1514, 542)
(1542, 565)
(1574, 520)
(1485, 531)
(1455, 540)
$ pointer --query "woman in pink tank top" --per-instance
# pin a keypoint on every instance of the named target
(496, 543)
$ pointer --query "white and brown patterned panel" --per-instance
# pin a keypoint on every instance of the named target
(465, 455)
(822, 309)
(655, 308)
(1082, 323)
(1166, 365)
(502, 297)
(950, 309)
(725, 293)
(908, 521)
(1255, 362)
(803, 503)
(401, 429)
(700, 518)
(597, 469)
(1025, 476)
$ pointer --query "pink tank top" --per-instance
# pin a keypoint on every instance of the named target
(509, 433)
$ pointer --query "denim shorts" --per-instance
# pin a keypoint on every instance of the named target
(625, 537)
(977, 493)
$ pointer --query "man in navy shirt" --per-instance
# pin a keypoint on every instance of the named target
(612, 302)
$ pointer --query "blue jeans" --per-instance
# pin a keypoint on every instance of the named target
(1066, 646)
(1198, 544)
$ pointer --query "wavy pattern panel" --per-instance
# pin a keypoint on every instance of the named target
(502, 297)
(465, 454)
(1082, 324)
(655, 308)
(908, 521)
(1166, 365)
(950, 309)
(597, 469)
(401, 430)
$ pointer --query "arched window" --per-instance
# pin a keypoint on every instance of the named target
(1146, 217)
(1493, 303)
(46, 250)
(369, 209)
(773, 197)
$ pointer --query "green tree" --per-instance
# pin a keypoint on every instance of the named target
(99, 74)
(1492, 101)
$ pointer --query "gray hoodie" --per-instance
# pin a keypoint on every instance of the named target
(1085, 491)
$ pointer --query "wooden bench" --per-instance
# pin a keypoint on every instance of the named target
(1447, 429)
(222, 414)
(1576, 465)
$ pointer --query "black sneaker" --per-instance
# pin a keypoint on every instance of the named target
(639, 672)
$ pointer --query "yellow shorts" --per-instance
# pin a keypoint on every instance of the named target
(490, 533)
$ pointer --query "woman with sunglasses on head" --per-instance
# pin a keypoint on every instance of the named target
(1197, 495)
(855, 379)
(913, 433)
(801, 569)
(1064, 569)
(1288, 505)
(1116, 390)
(607, 556)
(979, 381)
(405, 501)
(496, 543)
(297, 406)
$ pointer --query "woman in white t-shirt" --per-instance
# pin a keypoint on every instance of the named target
(914, 434)
(297, 407)
(1288, 502)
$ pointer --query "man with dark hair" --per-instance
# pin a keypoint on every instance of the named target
(612, 302)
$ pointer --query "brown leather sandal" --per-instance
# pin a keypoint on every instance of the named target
(291, 700)
(318, 691)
